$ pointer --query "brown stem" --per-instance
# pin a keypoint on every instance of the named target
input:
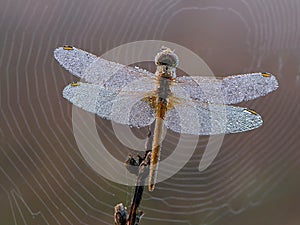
(135, 215)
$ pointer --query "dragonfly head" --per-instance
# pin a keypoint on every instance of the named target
(167, 61)
(166, 57)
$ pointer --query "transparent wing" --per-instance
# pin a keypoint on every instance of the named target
(227, 90)
(192, 117)
(76, 61)
(122, 107)
(99, 71)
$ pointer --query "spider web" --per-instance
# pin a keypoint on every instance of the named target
(45, 179)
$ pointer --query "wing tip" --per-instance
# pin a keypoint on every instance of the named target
(63, 48)
(256, 117)
(66, 92)
(275, 83)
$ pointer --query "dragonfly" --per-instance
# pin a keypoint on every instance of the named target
(132, 96)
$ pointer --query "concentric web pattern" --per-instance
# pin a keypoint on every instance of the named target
(44, 178)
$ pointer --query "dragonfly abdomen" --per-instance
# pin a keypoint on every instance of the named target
(161, 107)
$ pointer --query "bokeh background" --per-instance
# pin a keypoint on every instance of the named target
(44, 178)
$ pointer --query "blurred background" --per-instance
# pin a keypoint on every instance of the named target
(45, 180)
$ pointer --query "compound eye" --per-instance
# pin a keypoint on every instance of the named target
(167, 58)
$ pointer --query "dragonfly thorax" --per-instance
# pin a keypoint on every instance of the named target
(166, 72)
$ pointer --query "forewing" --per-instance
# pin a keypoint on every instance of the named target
(127, 108)
(228, 90)
(76, 61)
(96, 70)
(192, 117)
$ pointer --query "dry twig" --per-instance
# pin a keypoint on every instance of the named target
(142, 173)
